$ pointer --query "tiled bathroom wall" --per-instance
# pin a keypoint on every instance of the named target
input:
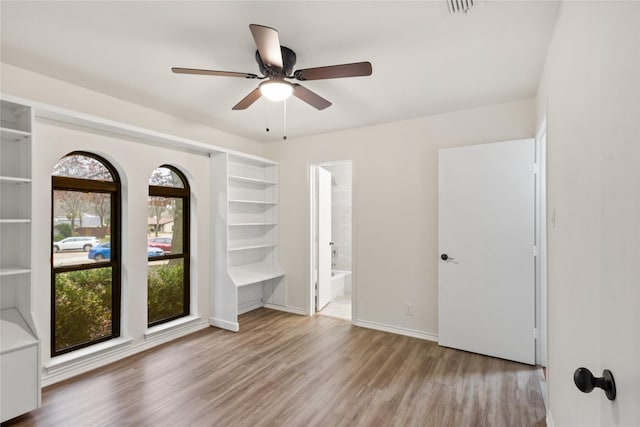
(341, 189)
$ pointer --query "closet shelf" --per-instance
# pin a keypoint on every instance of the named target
(14, 180)
(13, 270)
(248, 274)
(252, 224)
(255, 202)
(245, 179)
(246, 247)
(15, 332)
(14, 134)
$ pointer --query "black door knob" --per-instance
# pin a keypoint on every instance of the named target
(444, 257)
(586, 382)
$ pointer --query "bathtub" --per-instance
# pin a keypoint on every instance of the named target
(340, 283)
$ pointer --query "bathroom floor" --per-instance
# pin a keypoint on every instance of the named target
(340, 307)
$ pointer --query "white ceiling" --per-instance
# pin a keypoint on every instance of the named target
(425, 61)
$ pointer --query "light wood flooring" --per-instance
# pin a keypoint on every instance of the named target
(288, 370)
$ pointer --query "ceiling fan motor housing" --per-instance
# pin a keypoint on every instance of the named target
(288, 61)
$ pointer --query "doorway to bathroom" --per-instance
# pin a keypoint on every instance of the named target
(331, 240)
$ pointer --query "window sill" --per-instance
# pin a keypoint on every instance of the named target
(80, 361)
(87, 354)
(168, 328)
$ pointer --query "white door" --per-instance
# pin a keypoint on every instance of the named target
(486, 234)
(324, 237)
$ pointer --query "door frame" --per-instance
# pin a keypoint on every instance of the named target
(541, 244)
(313, 203)
(323, 248)
(541, 298)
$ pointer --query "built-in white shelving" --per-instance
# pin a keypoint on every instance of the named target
(14, 180)
(252, 224)
(19, 343)
(254, 273)
(13, 270)
(251, 180)
(245, 202)
(247, 247)
(11, 133)
(255, 202)
(16, 334)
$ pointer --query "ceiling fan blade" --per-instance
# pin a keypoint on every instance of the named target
(268, 44)
(246, 102)
(178, 70)
(310, 97)
(356, 69)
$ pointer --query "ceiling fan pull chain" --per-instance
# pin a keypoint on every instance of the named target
(284, 127)
(267, 104)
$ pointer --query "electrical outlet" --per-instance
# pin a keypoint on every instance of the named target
(408, 309)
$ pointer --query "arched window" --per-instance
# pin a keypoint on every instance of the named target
(168, 246)
(85, 284)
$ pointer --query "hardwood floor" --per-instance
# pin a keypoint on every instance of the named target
(288, 370)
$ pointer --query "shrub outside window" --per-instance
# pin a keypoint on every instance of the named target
(168, 246)
(85, 285)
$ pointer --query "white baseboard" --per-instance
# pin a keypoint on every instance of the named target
(253, 305)
(396, 330)
(224, 324)
(67, 367)
(249, 306)
(293, 310)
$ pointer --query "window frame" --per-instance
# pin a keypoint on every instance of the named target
(63, 183)
(185, 195)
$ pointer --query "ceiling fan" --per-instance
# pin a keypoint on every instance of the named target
(276, 64)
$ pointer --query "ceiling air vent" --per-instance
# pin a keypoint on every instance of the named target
(457, 6)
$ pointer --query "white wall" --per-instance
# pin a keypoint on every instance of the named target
(134, 163)
(37, 87)
(590, 90)
(394, 206)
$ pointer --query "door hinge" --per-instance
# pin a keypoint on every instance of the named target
(535, 250)
(535, 333)
(536, 169)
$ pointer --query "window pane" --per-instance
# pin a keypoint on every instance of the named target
(166, 224)
(165, 177)
(85, 167)
(165, 289)
(81, 227)
(82, 306)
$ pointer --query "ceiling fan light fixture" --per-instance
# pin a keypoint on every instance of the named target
(276, 90)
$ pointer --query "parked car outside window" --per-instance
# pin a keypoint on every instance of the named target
(103, 252)
(83, 243)
(163, 243)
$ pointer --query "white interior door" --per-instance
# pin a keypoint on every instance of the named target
(486, 232)
(324, 237)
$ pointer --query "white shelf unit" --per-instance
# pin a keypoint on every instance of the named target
(19, 343)
(245, 208)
